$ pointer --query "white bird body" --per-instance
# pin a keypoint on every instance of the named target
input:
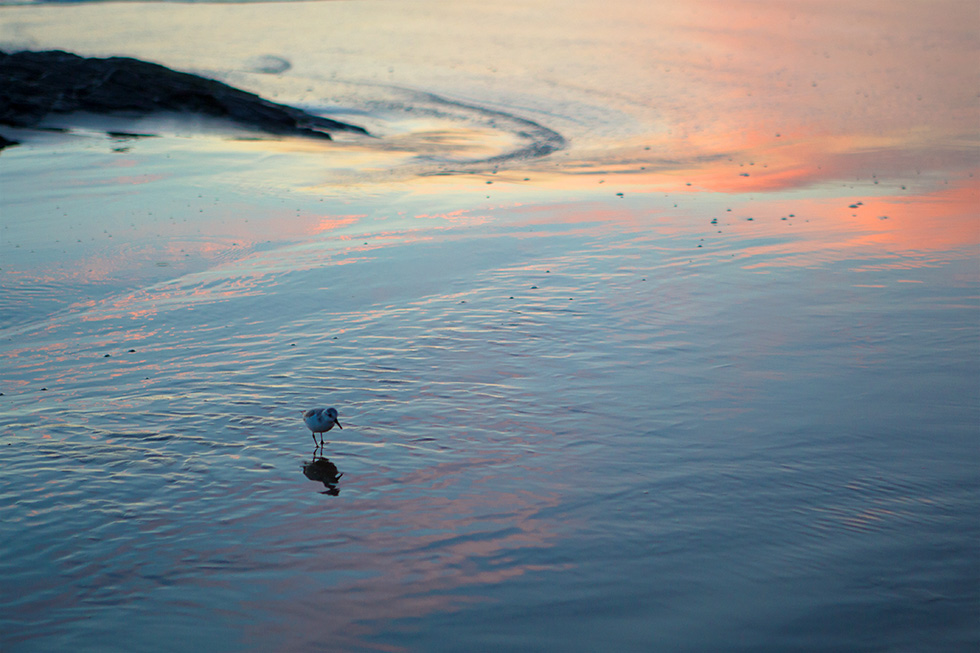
(321, 420)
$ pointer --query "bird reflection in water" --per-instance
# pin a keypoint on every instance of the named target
(321, 469)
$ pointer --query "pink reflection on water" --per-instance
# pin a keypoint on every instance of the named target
(894, 225)
(917, 230)
(792, 93)
(331, 223)
(407, 553)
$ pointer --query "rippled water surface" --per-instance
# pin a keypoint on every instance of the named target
(681, 384)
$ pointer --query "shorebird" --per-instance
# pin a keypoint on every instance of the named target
(320, 420)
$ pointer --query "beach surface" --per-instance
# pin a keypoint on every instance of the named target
(650, 328)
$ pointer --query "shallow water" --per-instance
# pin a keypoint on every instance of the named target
(590, 401)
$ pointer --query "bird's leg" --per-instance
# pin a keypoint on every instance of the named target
(314, 436)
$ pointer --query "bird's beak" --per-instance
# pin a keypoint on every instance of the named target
(337, 422)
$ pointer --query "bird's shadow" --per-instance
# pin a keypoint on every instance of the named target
(322, 470)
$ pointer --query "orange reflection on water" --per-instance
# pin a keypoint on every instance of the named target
(919, 230)
(773, 95)
(769, 164)
(331, 223)
(886, 225)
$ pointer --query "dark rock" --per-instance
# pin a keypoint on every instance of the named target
(36, 84)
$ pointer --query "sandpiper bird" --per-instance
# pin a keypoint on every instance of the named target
(321, 420)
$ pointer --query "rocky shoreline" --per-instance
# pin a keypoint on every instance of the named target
(34, 85)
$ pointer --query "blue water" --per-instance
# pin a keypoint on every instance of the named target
(557, 435)
(594, 398)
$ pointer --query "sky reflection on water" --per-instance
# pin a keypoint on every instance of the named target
(703, 379)
(528, 444)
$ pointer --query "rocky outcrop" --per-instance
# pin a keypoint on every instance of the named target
(34, 85)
